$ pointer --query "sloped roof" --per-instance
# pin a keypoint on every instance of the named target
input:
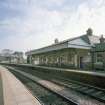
(91, 39)
(87, 38)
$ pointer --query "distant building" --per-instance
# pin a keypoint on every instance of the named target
(18, 57)
(8, 56)
(6, 52)
(74, 52)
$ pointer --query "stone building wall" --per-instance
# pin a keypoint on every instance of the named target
(61, 58)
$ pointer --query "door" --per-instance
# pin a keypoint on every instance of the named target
(81, 62)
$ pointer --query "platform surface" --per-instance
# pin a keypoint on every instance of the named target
(14, 92)
(94, 73)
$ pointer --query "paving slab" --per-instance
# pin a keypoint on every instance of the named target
(1, 92)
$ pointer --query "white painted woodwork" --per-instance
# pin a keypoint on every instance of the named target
(79, 47)
(75, 60)
(78, 41)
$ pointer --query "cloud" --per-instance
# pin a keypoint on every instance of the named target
(38, 23)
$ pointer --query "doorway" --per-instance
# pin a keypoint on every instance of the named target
(81, 62)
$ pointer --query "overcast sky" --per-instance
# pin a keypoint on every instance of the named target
(31, 24)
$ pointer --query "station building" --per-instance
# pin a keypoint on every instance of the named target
(72, 53)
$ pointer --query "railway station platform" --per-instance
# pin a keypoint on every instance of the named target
(14, 92)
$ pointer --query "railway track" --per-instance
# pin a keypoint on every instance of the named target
(93, 92)
(44, 95)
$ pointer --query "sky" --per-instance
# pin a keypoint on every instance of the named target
(32, 24)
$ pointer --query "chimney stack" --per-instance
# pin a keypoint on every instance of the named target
(102, 40)
(89, 32)
(56, 41)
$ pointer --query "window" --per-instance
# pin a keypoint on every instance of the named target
(71, 58)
